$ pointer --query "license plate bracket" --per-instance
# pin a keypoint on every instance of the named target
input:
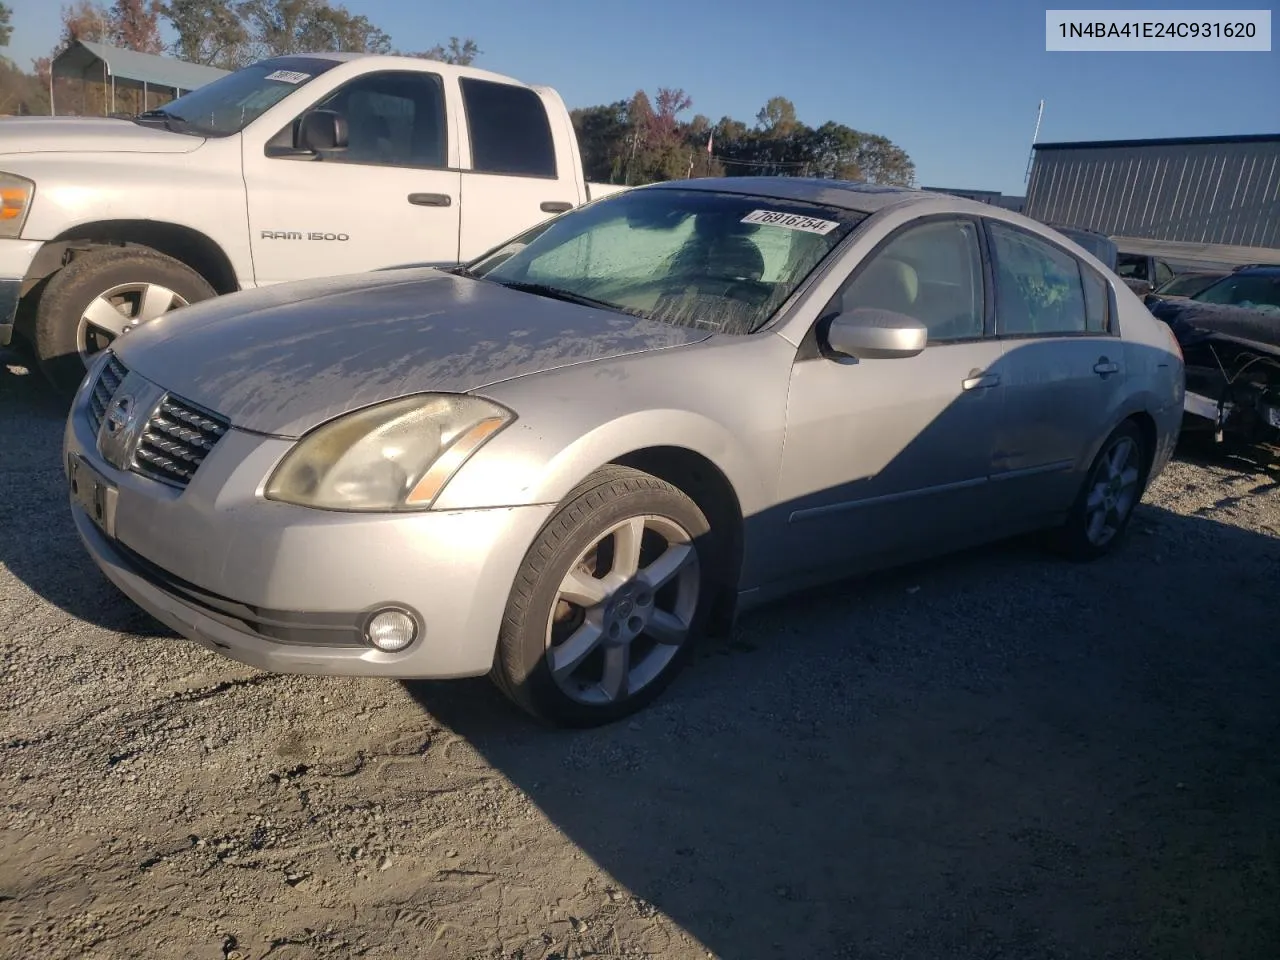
(93, 493)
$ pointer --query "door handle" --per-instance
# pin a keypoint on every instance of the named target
(1105, 367)
(980, 381)
(430, 199)
(555, 206)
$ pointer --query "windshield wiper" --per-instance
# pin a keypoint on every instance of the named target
(555, 293)
(171, 121)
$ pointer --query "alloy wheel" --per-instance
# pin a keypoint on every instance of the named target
(623, 611)
(118, 310)
(1113, 491)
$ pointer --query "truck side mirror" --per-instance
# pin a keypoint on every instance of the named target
(322, 131)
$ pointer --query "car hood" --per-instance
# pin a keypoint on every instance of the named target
(1193, 321)
(89, 135)
(285, 358)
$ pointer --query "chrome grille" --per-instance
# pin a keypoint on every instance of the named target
(176, 440)
(109, 381)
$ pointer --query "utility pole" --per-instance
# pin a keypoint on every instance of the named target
(1034, 137)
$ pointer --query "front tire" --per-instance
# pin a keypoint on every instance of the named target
(608, 601)
(1106, 502)
(98, 297)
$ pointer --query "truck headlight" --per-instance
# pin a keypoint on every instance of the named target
(15, 202)
(391, 456)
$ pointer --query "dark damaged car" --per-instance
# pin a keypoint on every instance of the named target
(1230, 338)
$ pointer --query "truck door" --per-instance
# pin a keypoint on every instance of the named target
(390, 197)
(519, 172)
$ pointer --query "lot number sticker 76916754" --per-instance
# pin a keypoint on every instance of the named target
(288, 76)
(790, 221)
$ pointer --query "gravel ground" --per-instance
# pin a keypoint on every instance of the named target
(999, 755)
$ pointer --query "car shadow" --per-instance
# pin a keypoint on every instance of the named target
(38, 542)
(901, 766)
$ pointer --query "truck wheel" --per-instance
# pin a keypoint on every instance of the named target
(101, 295)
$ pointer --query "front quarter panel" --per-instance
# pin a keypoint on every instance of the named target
(723, 398)
(202, 190)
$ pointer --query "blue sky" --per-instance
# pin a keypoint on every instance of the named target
(956, 84)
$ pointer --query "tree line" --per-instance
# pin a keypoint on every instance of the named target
(643, 139)
(632, 141)
(227, 34)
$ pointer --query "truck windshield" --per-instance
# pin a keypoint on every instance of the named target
(230, 103)
(721, 261)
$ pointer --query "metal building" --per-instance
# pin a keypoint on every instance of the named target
(116, 68)
(993, 197)
(1201, 198)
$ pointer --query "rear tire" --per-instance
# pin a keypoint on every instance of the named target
(1112, 490)
(592, 614)
(118, 287)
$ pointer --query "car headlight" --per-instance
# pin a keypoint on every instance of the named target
(391, 456)
(15, 201)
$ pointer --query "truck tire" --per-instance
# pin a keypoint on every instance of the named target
(101, 295)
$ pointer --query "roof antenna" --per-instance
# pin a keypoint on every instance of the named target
(1034, 137)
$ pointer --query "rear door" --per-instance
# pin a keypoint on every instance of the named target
(391, 197)
(522, 168)
(1063, 370)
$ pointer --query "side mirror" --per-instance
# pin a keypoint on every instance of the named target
(869, 334)
(322, 130)
(1140, 287)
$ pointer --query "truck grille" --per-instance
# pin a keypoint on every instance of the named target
(176, 440)
(109, 381)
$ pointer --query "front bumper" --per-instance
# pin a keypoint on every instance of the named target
(287, 589)
(15, 260)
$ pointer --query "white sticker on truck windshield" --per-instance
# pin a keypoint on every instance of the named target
(790, 221)
(289, 76)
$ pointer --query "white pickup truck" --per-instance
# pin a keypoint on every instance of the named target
(294, 167)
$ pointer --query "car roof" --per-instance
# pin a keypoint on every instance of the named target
(845, 194)
(1258, 270)
(852, 195)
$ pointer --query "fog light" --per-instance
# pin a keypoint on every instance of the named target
(391, 630)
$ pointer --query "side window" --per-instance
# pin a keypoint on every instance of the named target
(1038, 286)
(1164, 273)
(393, 118)
(1097, 302)
(510, 132)
(932, 273)
(1131, 266)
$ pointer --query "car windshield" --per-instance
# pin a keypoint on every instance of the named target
(696, 258)
(1251, 291)
(230, 103)
(1188, 284)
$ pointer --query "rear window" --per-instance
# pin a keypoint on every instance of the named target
(510, 132)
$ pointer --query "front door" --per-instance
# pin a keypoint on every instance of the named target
(889, 459)
(389, 198)
(1063, 371)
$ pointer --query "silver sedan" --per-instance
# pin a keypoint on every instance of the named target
(560, 464)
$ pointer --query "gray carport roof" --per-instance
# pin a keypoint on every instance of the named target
(84, 59)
